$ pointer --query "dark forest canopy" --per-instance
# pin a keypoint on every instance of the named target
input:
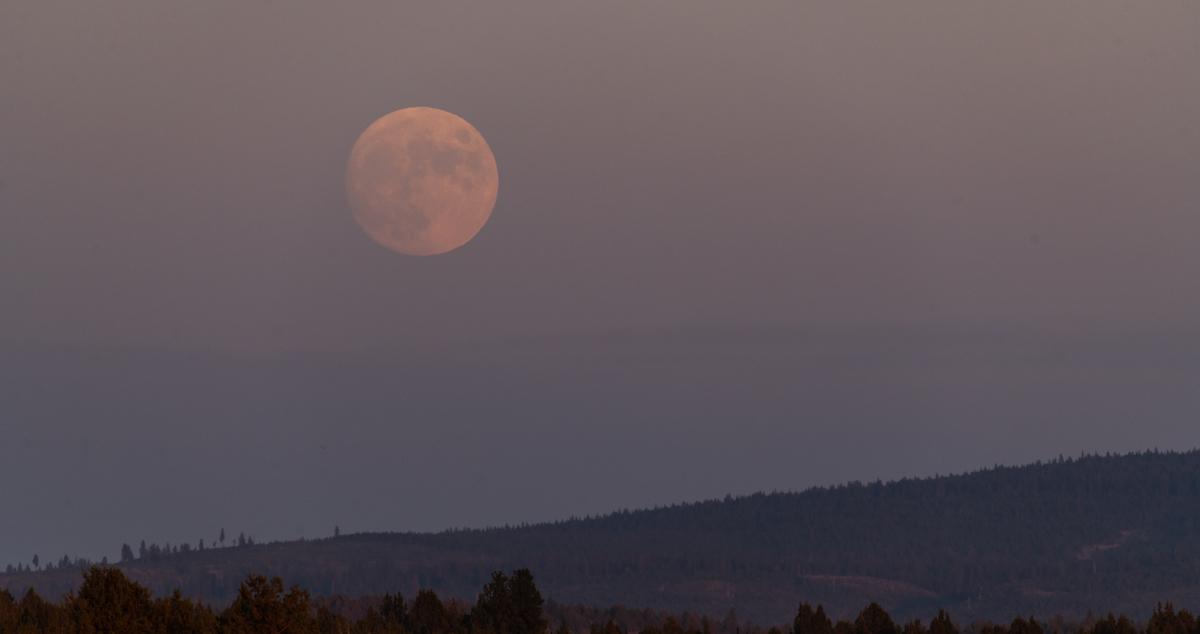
(1069, 536)
(107, 601)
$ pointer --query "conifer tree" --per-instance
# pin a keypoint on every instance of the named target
(109, 602)
(941, 624)
(393, 611)
(874, 620)
(262, 606)
(427, 614)
(810, 621)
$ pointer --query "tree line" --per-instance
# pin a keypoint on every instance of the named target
(108, 601)
(154, 552)
(144, 552)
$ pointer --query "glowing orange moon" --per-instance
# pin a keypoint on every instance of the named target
(421, 181)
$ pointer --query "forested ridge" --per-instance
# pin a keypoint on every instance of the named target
(1069, 536)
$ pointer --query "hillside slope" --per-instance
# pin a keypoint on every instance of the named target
(1096, 533)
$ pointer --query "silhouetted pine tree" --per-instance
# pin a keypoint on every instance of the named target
(810, 621)
(874, 620)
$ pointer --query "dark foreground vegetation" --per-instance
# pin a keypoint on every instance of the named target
(107, 601)
(1069, 536)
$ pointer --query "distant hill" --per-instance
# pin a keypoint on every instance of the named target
(1066, 537)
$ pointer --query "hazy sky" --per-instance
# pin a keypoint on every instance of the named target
(737, 246)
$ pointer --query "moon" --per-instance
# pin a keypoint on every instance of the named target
(421, 181)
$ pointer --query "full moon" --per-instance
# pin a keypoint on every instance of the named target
(421, 181)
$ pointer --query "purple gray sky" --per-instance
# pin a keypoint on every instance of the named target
(737, 246)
